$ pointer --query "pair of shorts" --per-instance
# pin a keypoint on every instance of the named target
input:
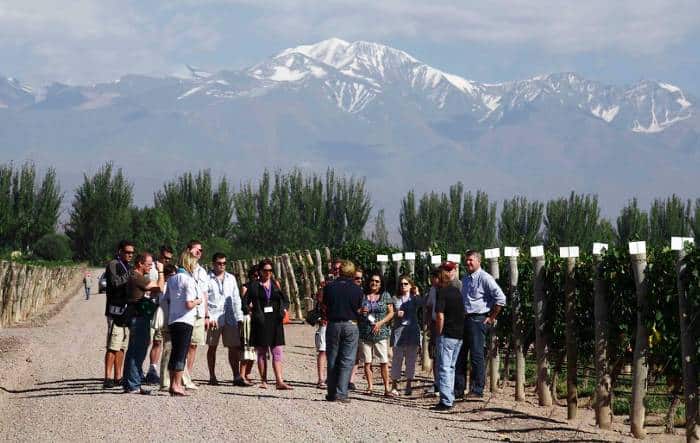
(156, 334)
(321, 338)
(199, 336)
(230, 335)
(380, 350)
(117, 336)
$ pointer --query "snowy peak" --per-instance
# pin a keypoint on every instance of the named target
(14, 93)
(665, 104)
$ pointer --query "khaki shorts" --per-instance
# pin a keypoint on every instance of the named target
(156, 335)
(231, 336)
(380, 350)
(117, 336)
(198, 334)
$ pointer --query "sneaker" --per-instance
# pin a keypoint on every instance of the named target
(474, 396)
(408, 392)
(191, 386)
(242, 383)
(152, 378)
(351, 386)
(108, 384)
(441, 407)
(329, 398)
(344, 400)
(138, 391)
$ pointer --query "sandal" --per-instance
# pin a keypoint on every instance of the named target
(283, 387)
(263, 385)
(321, 385)
(389, 394)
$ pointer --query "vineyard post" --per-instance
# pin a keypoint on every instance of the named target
(397, 258)
(603, 397)
(294, 287)
(382, 259)
(327, 254)
(277, 263)
(570, 253)
(410, 258)
(306, 280)
(690, 387)
(641, 343)
(516, 303)
(319, 267)
(544, 394)
(493, 357)
(311, 272)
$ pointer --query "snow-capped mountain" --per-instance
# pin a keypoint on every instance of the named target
(371, 110)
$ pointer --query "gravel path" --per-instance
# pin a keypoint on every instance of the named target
(50, 389)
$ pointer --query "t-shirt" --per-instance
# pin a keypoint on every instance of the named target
(138, 286)
(449, 302)
(181, 289)
(342, 298)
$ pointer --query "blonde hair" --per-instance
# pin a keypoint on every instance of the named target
(188, 261)
(347, 268)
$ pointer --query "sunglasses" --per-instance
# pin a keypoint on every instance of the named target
(403, 283)
(221, 263)
(129, 252)
(167, 259)
(375, 281)
(267, 269)
(358, 278)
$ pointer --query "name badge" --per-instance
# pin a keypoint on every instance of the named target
(267, 309)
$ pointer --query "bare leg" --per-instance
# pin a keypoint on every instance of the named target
(119, 365)
(211, 362)
(156, 350)
(191, 354)
(368, 376)
(248, 369)
(279, 379)
(110, 357)
(262, 370)
(321, 367)
(385, 376)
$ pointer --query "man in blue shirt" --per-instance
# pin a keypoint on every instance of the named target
(483, 300)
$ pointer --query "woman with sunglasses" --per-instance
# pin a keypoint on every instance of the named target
(268, 305)
(405, 336)
(248, 355)
(377, 312)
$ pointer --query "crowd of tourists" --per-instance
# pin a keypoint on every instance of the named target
(175, 308)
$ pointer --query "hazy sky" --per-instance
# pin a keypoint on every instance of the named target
(87, 41)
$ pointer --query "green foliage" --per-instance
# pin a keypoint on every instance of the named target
(520, 222)
(212, 245)
(101, 215)
(695, 222)
(691, 280)
(667, 218)
(28, 210)
(456, 220)
(290, 211)
(153, 228)
(52, 247)
(573, 221)
(200, 208)
(380, 236)
(632, 224)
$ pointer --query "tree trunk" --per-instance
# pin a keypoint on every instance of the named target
(639, 364)
(543, 389)
(319, 267)
(493, 357)
(327, 254)
(675, 386)
(517, 331)
(690, 386)
(603, 399)
(293, 286)
(571, 345)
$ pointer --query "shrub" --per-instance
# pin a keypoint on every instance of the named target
(52, 247)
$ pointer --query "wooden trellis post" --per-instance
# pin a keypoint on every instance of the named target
(640, 367)
(544, 394)
(603, 393)
(493, 357)
(571, 253)
(516, 303)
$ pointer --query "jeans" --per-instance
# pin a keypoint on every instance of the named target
(447, 350)
(474, 343)
(139, 337)
(342, 339)
(399, 353)
(87, 292)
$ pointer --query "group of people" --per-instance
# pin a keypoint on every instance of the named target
(362, 325)
(178, 308)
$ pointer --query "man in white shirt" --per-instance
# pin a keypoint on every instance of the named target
(225, 319)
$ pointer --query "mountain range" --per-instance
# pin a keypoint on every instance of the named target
(369, 110)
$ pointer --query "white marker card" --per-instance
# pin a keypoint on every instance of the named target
(638, 247)
(436, 259)
(397, 256)
(409, 255)
(678, 243)
(573, 251)
(456, 258)
(537, 251)
(564, 252)
(424, 254)
(492, 253)
(599, 247)
(511, 251)
(382, 258)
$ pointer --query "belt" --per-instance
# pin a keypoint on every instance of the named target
(476, 314)
(354, 322)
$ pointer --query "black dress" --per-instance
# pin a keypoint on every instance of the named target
(266, 328)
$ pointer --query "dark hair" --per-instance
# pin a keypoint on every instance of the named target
(253, 273)
(408, 278)
(191, 243)
(124, 243)
(169, 269)
(217, 256)
(265, 261)
(435, 273)
(142, 256)
(473, 252)
(374, 273)
(166, 248)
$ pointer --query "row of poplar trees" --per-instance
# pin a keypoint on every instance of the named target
(458, 220)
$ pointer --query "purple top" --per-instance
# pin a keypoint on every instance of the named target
(268, 292)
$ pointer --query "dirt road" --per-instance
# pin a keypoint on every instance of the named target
(51, 389)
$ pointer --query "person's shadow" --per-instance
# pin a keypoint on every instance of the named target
(58, 388)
